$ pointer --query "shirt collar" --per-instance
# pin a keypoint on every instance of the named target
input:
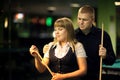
(92, 30)
(57, 44)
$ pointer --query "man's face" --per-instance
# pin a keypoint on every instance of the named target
(85, 21)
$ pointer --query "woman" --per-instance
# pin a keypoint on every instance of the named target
(66, 56)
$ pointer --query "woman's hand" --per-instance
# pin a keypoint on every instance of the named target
(34, 51)
(57, 76)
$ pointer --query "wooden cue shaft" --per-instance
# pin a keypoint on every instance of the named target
(100, 75)
(45, 64)
(102, 34)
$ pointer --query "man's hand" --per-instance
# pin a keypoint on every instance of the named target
(46, 48)
(102, 51)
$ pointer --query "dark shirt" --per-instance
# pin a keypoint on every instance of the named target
(91, 43)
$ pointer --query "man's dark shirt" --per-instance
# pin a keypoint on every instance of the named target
(91, 43)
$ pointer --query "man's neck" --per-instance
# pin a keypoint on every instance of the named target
(86, 31)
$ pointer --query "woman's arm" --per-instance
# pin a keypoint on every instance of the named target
(81, 71)
(39, 62)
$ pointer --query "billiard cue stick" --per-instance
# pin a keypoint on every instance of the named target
(40, 58)
(100, 75)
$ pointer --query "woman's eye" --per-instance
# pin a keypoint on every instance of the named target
(60, 29)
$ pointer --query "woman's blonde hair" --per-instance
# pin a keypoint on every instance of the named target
(68, 25)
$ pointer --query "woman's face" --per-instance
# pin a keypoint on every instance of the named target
(60, 34)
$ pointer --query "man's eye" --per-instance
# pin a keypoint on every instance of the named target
(85, 19)
(79, 18)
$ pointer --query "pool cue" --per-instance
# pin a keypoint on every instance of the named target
(100, 75)
(40, 58)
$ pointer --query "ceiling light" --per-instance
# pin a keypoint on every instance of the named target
(75, 5)
(51, 8)
(117, 3)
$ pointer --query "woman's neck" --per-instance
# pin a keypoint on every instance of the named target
(62, 43)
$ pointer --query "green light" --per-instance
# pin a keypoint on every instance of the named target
(49, 21)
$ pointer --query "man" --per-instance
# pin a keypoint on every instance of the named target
(90, 37)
